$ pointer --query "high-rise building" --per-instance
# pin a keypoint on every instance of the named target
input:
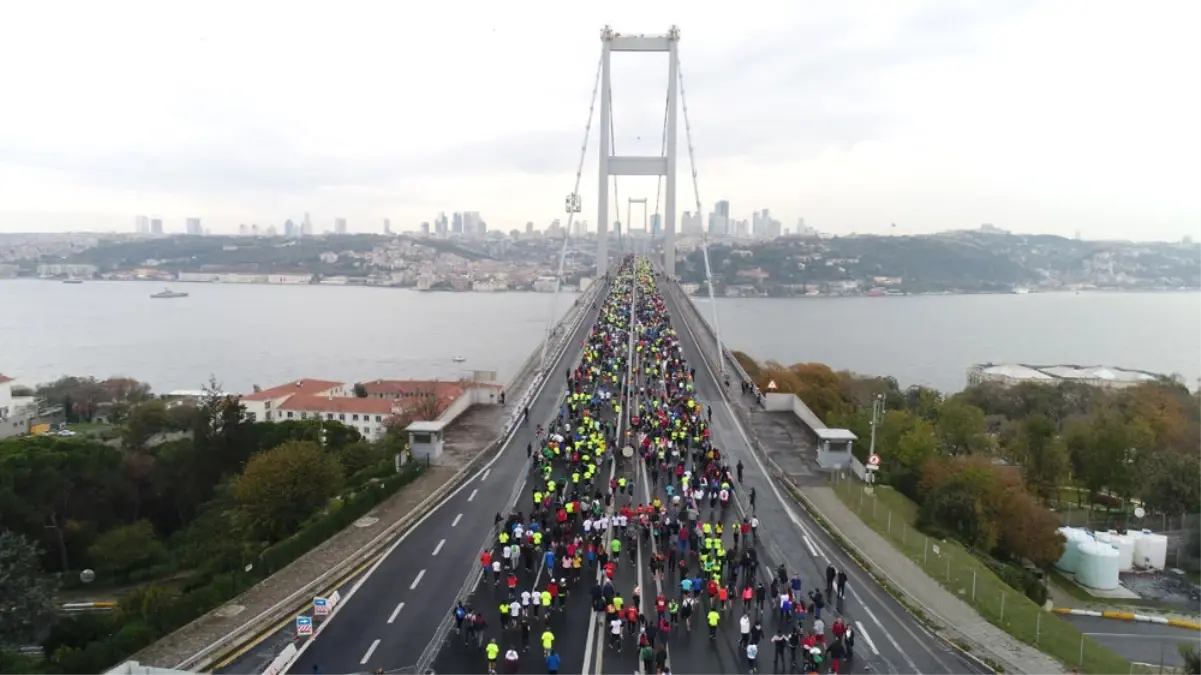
(473, 224)
(441, 225)
(141, 225)
(306, 227)
(339, 226)
(425, 229)
(529, 227)
(456, 223)
(656, 224)
(156, 226)
(388, 227)
(192, 226)
(290, 228)
(722, 208)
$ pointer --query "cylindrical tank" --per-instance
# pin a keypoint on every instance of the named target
(1125, 546)
(1098, 565)
(1070, 559)
(1151, 550)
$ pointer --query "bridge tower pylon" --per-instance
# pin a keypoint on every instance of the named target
(663, 165)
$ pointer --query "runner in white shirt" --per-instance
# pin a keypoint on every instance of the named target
(536, 601)
(518, 532)
(587, 526)
(506, 554)
(514, 611)
(525, 602)
(495, 572)
(615, 633)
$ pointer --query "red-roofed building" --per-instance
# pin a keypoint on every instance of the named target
(329, 400)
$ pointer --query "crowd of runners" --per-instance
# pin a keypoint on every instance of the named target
(627, 473)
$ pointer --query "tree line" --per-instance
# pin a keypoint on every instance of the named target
(989, 464)
(184, 516)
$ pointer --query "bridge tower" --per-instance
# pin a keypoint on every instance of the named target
(614, 165)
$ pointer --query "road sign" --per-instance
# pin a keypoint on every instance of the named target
(771, 384)
(873, 462)
(304, 626)
(320, 607)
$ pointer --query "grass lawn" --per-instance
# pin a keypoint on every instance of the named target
(892, 515)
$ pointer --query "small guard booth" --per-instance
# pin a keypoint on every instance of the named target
(425, 440)
(834, 447)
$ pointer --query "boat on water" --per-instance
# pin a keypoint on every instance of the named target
(168, 293)
(72, 281)
(459, 359)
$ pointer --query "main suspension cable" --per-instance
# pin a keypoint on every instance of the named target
(662, 153)
(573, 207)
(696, 191)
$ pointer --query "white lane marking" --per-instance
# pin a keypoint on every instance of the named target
(417, 580)
(472, 495)
(439, 547)
(485, 476)
(457, 519)
(370, 651)
(594, 637)
(396, 612)
(866, 638)
(888, 636)
(809, 545)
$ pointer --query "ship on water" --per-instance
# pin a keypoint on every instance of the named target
(168, 293)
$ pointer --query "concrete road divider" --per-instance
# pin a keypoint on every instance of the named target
(1130, 616)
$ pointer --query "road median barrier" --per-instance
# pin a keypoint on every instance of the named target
(267, 621)
(1130, 616)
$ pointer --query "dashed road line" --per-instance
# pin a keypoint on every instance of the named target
(396, 612)
(457, 519)
(417, 580)
(370, 651)
(485, 476)
(866, 638)
(472, 496)
(439, 547)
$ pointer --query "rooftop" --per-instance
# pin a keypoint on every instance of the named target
(298, 387)
(1021, 371)
(4, 378)
(426, 426)
(340, 404)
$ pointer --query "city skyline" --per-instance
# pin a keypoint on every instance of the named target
(929, 115)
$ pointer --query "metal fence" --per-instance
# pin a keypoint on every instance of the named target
(972, 580)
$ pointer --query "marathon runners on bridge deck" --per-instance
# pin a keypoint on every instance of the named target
(651, 479)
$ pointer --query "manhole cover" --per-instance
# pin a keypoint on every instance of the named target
(230, 610)
(366, 522)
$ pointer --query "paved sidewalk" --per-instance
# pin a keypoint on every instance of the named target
(955, 615)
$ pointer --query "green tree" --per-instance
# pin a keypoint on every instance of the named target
(26, 595)
(125, 548)
(1042, 455)
(1170, 482)
(354, 457)
(283, 486)
(923, 402)
(1191, 657)
(143, 422)
(916, 446)
(961, 427)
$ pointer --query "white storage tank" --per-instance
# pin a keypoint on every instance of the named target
(1098, 565)
(1151, 550)
(1070, 560)
(1125, 546)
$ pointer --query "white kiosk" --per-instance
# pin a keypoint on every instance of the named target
(425, 440)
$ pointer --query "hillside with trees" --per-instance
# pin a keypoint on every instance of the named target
(992, 466)
(169, 527)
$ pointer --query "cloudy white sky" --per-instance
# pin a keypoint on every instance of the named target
(1034, 116)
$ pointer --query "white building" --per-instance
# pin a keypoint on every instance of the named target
(1098, 376)
(16, 412)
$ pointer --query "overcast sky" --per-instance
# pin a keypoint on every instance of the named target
(1033, 116)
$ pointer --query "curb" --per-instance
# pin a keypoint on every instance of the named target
(1130, 616)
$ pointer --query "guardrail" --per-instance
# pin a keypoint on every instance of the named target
(78, 607)
(303, 596)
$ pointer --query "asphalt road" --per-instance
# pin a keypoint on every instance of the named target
(1140, 642)
(890, 640)
(391, 619)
